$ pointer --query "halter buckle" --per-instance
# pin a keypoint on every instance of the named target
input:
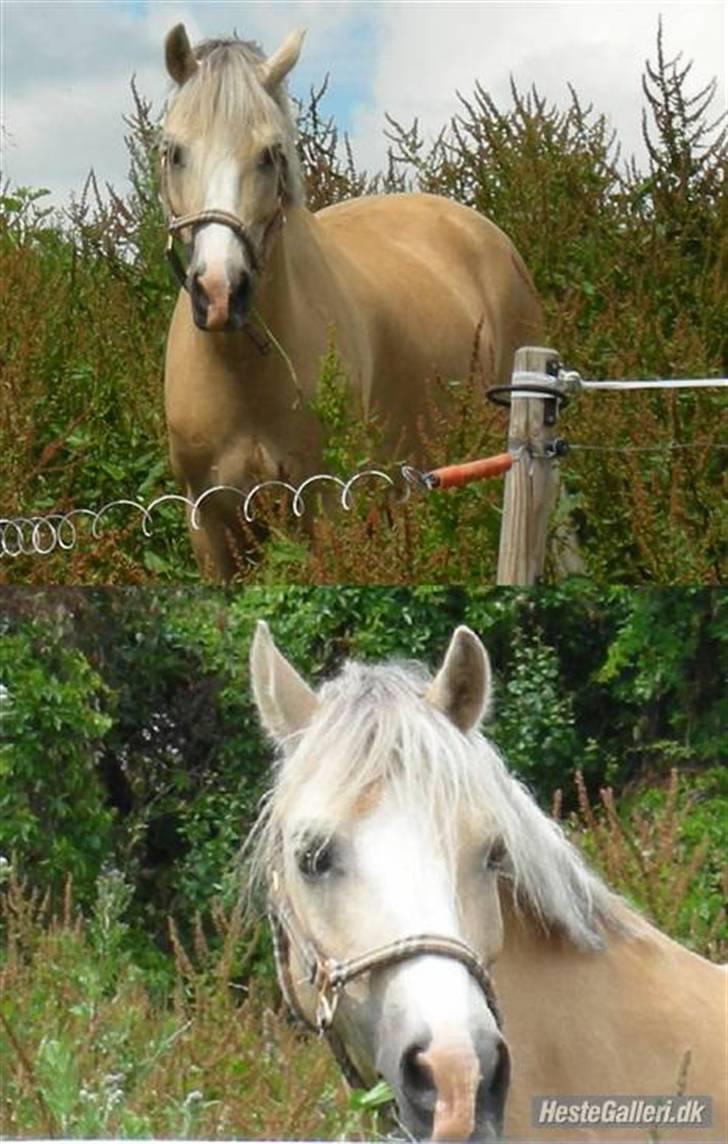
(326, 1009)
(329, 991)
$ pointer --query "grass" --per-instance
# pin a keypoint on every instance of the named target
(665, 849)
(92, 1045)
(88, 1049)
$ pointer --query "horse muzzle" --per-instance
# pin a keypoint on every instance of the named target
(219, 304)
(450, 1092)
(222, 295)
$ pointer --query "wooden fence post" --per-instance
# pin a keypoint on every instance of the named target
(531, 486)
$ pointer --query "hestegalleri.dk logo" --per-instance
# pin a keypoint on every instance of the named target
(621, 1111)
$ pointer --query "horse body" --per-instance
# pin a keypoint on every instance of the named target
(392, 817)
(437, 285)
(377, 276)
(404, 287)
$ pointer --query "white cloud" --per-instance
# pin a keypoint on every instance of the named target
(67, 65)
(430, 51)
(66, 75)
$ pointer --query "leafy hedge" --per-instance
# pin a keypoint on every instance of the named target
(129, 737)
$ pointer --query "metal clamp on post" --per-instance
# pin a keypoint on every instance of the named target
(553, 385)
(569, 381)
(556, 448)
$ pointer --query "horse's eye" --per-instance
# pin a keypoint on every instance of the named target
(176, 155)
(267, 159)
(496, 855)
(315, 858)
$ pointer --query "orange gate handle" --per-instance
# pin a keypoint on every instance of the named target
(452, 476)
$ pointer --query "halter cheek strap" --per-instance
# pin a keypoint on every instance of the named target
(281, 954)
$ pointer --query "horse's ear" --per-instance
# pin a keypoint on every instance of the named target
(178, 55)
(277, 66)
(285, 702)
(461, 688)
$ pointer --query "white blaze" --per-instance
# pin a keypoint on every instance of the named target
(216, 243)
(414, 895)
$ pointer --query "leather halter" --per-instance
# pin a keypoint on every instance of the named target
(178, 223)
(330, 977)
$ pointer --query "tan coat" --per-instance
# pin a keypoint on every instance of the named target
(614, 1023)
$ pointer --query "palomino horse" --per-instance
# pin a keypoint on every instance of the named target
(403, 284)
(405, 865)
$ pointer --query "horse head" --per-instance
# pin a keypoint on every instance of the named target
(229, 168)
(382, 878)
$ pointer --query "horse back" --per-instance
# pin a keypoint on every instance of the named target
(436, 288)
(389, 236)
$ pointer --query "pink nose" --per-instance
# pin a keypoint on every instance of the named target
(213, 298)
(217, 303)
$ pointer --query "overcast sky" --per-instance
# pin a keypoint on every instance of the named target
(67, 65)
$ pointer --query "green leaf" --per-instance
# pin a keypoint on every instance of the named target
(363, 1099)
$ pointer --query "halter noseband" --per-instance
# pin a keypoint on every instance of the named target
(330, 977)
(225, 218)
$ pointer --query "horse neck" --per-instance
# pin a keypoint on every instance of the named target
(582, 1021)
(305, 290)
(296, 263)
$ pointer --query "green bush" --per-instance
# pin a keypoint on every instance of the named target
(54, 813)
(129, 727)
(534, 719)
(663, 845)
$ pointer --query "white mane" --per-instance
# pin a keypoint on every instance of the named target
(373, 726)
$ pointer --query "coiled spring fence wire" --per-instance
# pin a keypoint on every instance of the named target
(41, 535)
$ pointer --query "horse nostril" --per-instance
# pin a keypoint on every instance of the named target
(417, 1079)
(199, 299)
(493, 1089)
(240, 297)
